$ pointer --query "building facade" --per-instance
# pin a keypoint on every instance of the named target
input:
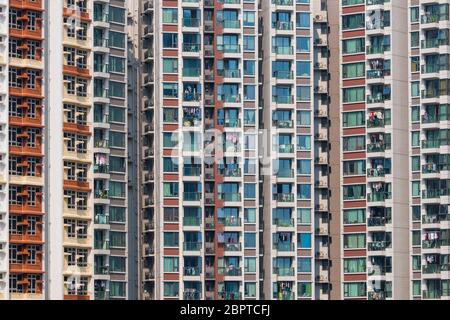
(429, 198)
(224, 149)
(63, 226)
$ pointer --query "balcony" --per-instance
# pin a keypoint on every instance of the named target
(229, 196)
(436, 218)
(191, 47)
(379, 196)
(284, 197)
(285, 173)
(231, 172)
(434, 43)
(230, 221)
(229, 73)
(192, 271)
(283, 74)
(375, 123)
(283, 124)
(283, 246)
(191, 22)
(192, 221)
(286, 148)
(192, 196)
(283, 222)
(284, 272)
(287, 50)
(230, 24)
(431, 269)
(192, 246)
(192, 171)
(283, 99)
(229, 295)
(379, 245)
(233, 247)
(283, 25)
(229, 48)
(376, 173)
(378, 221)
(433, 17)
(230, 271)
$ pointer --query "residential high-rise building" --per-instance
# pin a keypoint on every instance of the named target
(374, 152)
(428, 78)
(224, 149)
(63, 226)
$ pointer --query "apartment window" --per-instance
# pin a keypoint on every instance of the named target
(169, 15)
(356, 289)
(117, 264)
(171, 289)
(249, 215)
(170, 40)
(116, 15)
(355, 265)
(415, 163)
(304, 191)
(303, 216)
(170, 214)
(353, 46)
(416, 263)
(304, 240)
(249, 191)
(303, 69)
(303, 142)
(249, 265)
(14, 254)
(117, 214)
(303, 93)
(117, 239)
(250, 289)
(415, 89)
(304, 265)
(170, 65)
(303, 20)
(171, 264)
(354, 216)
(32, 225)
(303, 44)
(249, 240)
(416, 213)
(249, 92)
(249, 117)
(355, 143)
(415, 138)
(33, 280)
(249, 43)
(32, 252)
(416, 288)
(415, 114)
(117, 189)
(171, 239)
(116, 139)
(415, 188)
(117, 89)
(355, 241)
(249, 67)
(304, 289)
(351, 95)
(415, 39)
(70, 225)
(170, 190)
(303, 167)
(170, 90)
(415, 237)
(415, 14)
(116, 114)
(249, 18)
(116, 40)
(117, 164)
(117, 64)
(15, 227)
(353, 21)
(354, 168)
(170, 115)
(353, 70)
(354, 119)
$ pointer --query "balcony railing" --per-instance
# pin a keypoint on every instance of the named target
(284, 197)
(192, 246)
(379, 245)
(284, 272)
